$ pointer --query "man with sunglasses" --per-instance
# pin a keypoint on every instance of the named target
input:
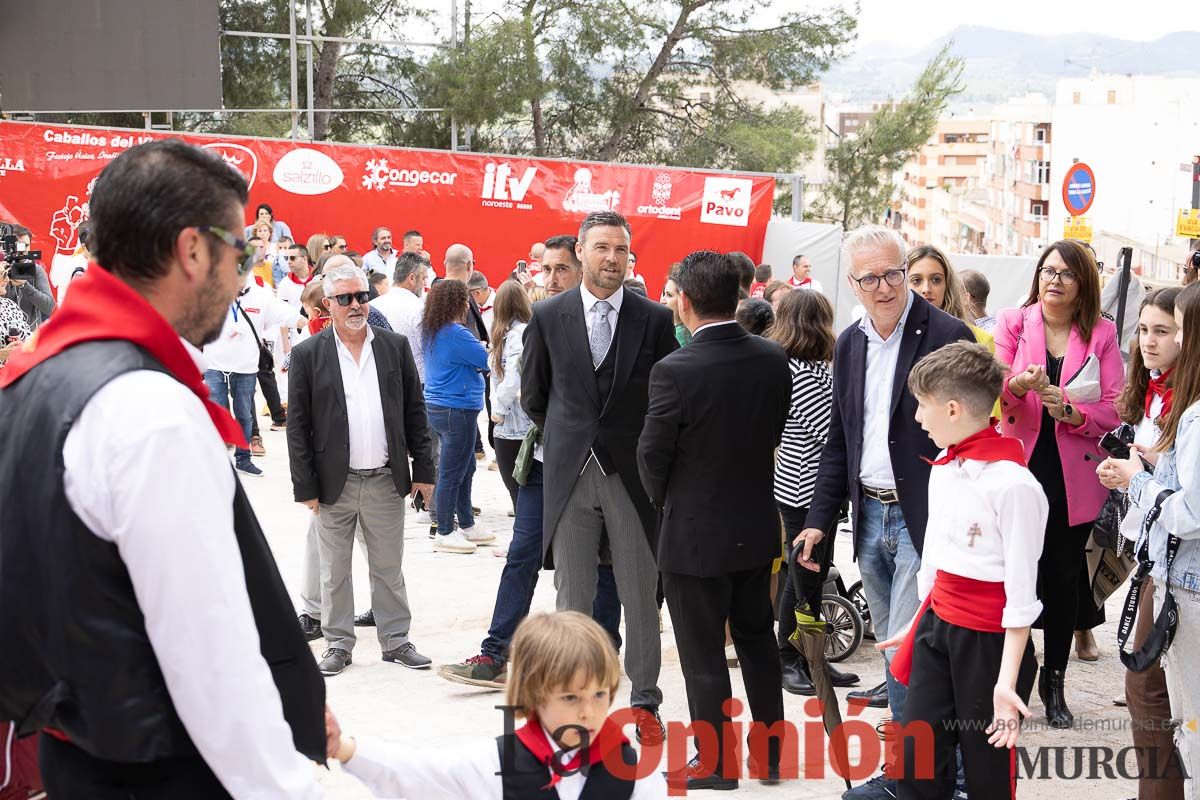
(356, 418)
(872, 455)
(174, 668)
(299, 275)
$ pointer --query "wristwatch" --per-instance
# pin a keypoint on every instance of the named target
(1068, 411)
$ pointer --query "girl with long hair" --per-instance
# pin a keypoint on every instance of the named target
(1178, 523)
(454, 365)
(931, 275)
(512, 312)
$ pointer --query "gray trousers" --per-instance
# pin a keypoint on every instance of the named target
(310, 579)
(599, 503)
(373, 503)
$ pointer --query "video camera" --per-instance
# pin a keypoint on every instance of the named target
(22, 262)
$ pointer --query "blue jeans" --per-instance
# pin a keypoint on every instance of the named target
(520, 576)
(888, 563)
(457, 429)
(221, 385)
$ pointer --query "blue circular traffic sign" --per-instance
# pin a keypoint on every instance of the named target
(1079, 189)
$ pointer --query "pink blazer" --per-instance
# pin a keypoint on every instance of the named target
(1021, 341)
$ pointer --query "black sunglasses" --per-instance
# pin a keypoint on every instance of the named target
(343, 300)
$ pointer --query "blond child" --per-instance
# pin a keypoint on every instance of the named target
(563, 673)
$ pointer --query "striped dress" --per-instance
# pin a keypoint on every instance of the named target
(805, 432)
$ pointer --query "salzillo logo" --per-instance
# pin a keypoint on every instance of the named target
(306, 171)
(726, 201)
(7, 163)
(502, 191)
(378, 175)
(660, 194)
(239, 158)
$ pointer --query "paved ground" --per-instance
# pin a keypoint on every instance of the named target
(452, 597)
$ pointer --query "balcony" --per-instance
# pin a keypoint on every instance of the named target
(1031, 152)
(1030, 228)
(1032, 191)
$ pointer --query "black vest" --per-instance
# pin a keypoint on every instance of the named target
(77, 657)
(525, 778)
(605, 375)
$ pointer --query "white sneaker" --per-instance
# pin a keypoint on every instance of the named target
(453, 543)
(477, 534)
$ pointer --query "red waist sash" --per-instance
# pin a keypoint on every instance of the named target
(966, 602)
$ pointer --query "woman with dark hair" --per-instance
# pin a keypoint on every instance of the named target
(512, 311)
(1057, 345)
(755, 316)
(1174, 487)
(454, 365)
(670, 299)
(264, 213)
(804, 328)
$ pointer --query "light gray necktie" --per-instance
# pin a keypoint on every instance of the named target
(601, 332)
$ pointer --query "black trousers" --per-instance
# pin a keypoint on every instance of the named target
(506, 461)
(812, 584)
(699, 608)
(71, 774)
(270, 390)
(1059, 572)
(954, 670)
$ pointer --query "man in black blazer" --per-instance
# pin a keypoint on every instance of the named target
(873, 454)
(584, 379)
(356, 417)
(707, 459)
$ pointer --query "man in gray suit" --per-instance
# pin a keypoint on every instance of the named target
(356, 416)
(584, 382)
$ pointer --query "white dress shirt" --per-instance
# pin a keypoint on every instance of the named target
(987, 521)
(696, 332)
(590, 315)
(403, 311)
(373, 262)
(812, 284)
(146, 470)
(235, 350)
(364, 404)
(875, 468)
(464, 772)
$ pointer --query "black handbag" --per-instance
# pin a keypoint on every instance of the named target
(1167, 620)
(266, 360)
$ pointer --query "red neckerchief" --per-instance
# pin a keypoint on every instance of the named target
(985, 445)
(304, 282)
(319, 324)
(103, 307)
(533, 736)
(1158, 386)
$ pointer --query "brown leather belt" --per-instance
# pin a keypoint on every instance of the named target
(885, 496)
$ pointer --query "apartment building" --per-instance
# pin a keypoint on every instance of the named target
(933, 184)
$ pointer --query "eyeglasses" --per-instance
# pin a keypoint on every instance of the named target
(344, 300)
(248, 251)
(1066, 277)
(870, 283)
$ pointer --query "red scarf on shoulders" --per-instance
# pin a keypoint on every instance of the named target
(985, 445)
(101, 307)
(533, 736)
(1158, 388)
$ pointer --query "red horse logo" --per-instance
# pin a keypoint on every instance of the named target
(728, 194)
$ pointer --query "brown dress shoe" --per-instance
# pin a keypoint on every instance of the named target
(256, 446)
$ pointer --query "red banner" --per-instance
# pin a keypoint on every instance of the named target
(497, 205)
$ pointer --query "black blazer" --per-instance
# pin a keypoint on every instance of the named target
(559, 392)
(318, 428)
(707, 451)
(926, 329)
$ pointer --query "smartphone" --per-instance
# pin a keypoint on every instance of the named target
(522, 266)
(1113, 445)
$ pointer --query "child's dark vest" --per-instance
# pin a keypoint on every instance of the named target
(525, 778)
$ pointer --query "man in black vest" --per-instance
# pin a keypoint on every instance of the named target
(584, 381)
(147, 625)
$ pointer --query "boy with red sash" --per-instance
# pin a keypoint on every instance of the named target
(966, 657)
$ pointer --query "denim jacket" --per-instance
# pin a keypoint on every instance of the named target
(1177, 469)
(506, 394)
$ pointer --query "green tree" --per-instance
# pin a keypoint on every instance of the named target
(861, 167)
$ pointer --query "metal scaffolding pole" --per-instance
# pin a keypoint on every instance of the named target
(453, 46)
(309, 45)
(295, 91)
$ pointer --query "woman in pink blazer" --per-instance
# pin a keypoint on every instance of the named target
(1047, 343)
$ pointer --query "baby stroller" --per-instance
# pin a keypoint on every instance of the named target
(845, 611)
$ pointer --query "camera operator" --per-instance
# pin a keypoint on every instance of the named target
(13, 327)
(28, 285)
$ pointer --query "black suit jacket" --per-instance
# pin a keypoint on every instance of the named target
(926, 330)
(707, 451)
(559, 392)
(318, 428)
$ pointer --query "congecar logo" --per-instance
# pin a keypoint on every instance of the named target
(726, 201)
(306, 171)
(239, 158)
(379, 174)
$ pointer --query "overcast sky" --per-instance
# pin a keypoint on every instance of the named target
(919, 21)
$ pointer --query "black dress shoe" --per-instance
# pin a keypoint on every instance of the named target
(842, 679)
(1053, 693)
(650, 728)
(309, 627)
(796, 680)
(697, 776)
(771, 778)
(871, 698)
(333, 661)
(365, 620)
(406, 655)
